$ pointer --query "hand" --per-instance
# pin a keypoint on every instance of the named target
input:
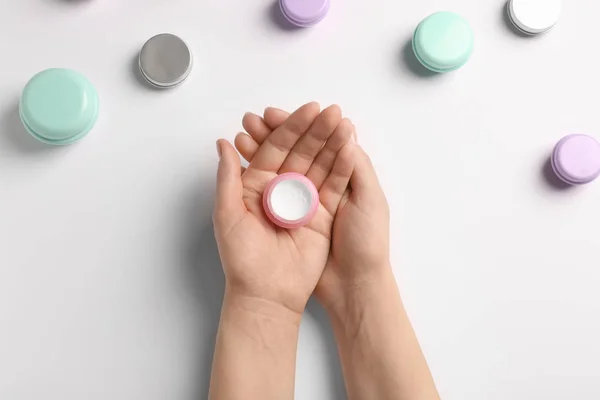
(359, 254)
(379, 352)
(262, 261)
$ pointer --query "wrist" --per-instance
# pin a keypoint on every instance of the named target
(255, 350)
(377, 345)
(250, 308)
(369, 293)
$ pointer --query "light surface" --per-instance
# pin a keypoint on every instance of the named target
(290, 200)
(110, 284)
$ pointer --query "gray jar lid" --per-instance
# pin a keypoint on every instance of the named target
(165, 60)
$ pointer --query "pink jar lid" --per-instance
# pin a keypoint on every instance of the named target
(290, 200)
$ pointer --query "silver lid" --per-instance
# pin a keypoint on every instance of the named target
(165, 60)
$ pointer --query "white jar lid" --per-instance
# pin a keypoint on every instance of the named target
(533, 17)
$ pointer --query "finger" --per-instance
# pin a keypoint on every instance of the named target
(229, 207)
(337, 182)
(308, 146)
(274, 117)
(364, 180)
(321, 222)
(321, 167)
(276, 147)
(256, 127)
(246, 146)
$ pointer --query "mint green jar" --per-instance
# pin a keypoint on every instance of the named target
(443, 42)
(59, 106)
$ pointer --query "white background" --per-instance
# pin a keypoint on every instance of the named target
(110, 284)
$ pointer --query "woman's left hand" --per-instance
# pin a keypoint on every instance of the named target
(261, 261)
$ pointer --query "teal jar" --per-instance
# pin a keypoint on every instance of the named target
(443, 42)
(59, 106)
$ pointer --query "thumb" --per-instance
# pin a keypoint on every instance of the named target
(229, 207)
(364, 183)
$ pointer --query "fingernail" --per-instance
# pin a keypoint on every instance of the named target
(219, 150)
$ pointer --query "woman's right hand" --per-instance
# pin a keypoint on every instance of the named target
(359, 255)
